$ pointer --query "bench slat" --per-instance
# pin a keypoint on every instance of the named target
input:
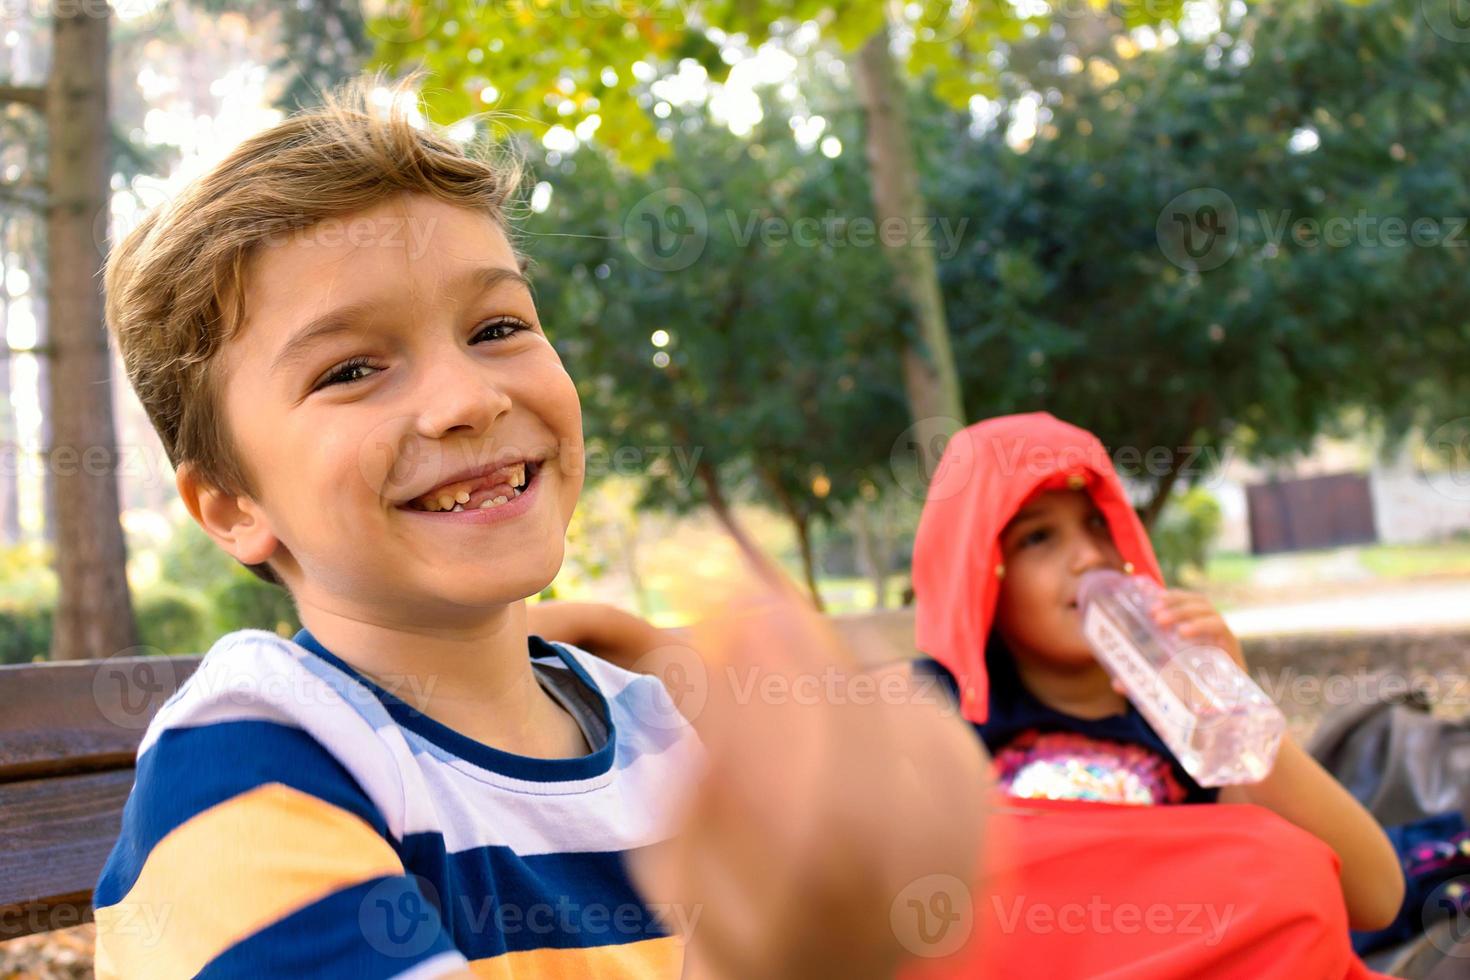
(55, 835)
(58, 718)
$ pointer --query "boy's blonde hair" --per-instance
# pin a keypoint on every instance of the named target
(174, 285)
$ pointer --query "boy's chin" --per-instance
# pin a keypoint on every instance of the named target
(495, 588)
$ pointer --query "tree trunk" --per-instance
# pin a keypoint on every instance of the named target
(1150, 511)
(801, 521)
(808, 561)
(1177, 455)
(94, 615)
(871, 553)
(930, 379)
(10, 448)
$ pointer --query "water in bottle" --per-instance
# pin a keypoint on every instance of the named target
(1219, 724)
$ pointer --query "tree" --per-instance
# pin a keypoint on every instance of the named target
(767, 378)
(596, 78)
(1154, 265)
(94, 610)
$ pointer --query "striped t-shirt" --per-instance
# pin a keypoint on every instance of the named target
(291, 818)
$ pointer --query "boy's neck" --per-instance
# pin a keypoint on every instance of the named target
(476, 680)
(1084, 691)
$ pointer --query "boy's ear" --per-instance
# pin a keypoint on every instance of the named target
(236, 523)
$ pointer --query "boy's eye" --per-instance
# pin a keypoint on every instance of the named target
(344, 373)
(1035, 537)
(502, 327)
(348, 371)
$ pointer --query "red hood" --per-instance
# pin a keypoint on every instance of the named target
(988, 472)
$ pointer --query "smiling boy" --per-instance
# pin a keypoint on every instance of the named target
(375, 420)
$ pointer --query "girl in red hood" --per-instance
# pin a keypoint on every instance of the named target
(1018, 509)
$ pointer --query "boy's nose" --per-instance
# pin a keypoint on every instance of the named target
(457, 392)
(1087, 555)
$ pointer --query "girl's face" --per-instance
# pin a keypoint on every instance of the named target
(1046, 547)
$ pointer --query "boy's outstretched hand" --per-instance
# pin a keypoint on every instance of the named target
(833, 805)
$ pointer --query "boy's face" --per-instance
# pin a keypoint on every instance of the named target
(443, 369)
(1047, 546)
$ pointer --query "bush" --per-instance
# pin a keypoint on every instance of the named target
(25, 631)
(1184, 532)
(173, 620)
(245, 602)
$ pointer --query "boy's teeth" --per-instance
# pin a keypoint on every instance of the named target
(446, 498)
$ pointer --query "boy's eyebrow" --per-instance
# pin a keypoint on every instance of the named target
(1025, 515)
(345, 318)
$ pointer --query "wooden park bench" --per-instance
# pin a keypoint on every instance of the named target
(69, 733)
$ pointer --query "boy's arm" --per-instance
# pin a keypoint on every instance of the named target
(246, 849)
(612, 634)
(1301, 791)
(833, 802)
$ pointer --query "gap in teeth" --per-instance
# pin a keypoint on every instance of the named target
(461, 497)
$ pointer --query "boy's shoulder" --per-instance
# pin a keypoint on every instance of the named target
(257, 675)
(262, 709)
(640, 705)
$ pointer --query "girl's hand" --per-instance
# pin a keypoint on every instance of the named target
(1195, 618)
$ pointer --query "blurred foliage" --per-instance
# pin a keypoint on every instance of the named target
(235, 599)
(758, 365)
(1063, 294)
(1184, 533)
(25, 631)
(27, 575)
(201, 594)
(536, 67)
(173, 620)
(1069, 297)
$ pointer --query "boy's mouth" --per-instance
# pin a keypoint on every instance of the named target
(486, 489)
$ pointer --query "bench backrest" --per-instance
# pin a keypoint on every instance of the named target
(69, 733)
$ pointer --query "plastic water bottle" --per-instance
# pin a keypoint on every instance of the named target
(1219, 724)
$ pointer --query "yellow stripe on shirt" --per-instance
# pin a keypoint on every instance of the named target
(651, 958)
(230, 871)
